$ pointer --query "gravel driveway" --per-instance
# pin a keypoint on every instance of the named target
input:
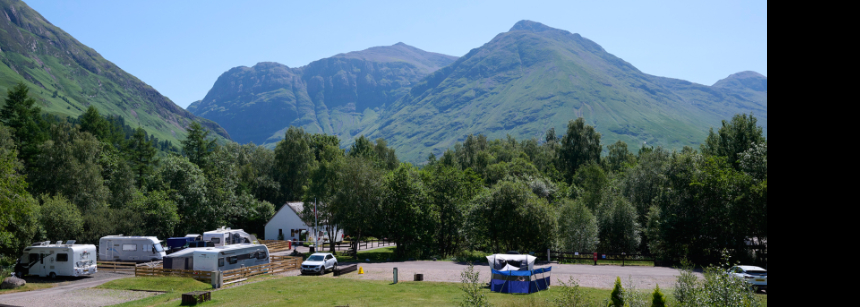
(587, 276)
(74, 292)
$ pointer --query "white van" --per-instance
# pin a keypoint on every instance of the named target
(130, 248)
(44, 259)
(226, 236)
(221, 258)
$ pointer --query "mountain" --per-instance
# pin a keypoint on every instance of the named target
(339, 95)
(66, 77)
(535, 77)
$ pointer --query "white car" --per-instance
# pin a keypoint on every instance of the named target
(753, 275)
(319, 263)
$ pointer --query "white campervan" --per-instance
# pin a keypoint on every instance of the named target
(44, 259)
(130, 248)
(221, 258)
(226, 236)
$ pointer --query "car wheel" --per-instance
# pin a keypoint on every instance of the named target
(334, 268)
(322, 271)
(52, 275)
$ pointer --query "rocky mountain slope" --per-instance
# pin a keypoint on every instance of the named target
(67, 77)
(534, 77)
(340, 95)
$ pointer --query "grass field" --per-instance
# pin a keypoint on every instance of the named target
(313, 291)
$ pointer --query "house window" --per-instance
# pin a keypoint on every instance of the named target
(129, 247)
(62, 257)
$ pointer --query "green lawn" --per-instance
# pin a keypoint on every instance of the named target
(314, 291)
(164, 284)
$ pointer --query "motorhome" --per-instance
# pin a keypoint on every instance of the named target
(44, 259)
(226, 236)
(220, 258)
(130, 248)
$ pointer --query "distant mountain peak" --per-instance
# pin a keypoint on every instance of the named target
(745, 79)
(746, 74)
(533, 26)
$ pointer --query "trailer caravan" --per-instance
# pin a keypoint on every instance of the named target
(220, 258)
(226, 236)
(44, 259)
(130, 248)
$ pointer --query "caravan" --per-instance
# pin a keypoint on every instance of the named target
(226, 236)
(130, 248)
(218, 258)
(44, 259)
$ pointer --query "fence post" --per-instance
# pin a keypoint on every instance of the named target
(548, 255)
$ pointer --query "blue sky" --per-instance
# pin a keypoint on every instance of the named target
(181, 47)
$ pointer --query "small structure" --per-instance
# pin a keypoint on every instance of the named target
(196, 297)
(227, 236)
(287, 224)
(44, 259)
(130, 248)
(220, 258)
(517, 274)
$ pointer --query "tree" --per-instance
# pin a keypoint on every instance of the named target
(590, 185)
(450, 191)
(19, 212)
(294, 161)
(60, 219)
(197, 146)
(619, 231)
(407, 216)
(619, 157)
(657, 298)
(579, 146)
(578, 230)
(23, 116)
(733, 138)
(510, 217)
(617, 295)
(186, 185)
(141, 155)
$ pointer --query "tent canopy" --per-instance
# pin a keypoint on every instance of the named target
(504, 262)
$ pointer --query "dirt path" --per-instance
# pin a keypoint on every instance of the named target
(74, 292)
(588, 276)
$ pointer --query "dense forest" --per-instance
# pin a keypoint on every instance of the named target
(93, 176)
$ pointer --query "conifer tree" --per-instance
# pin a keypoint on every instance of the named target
(197, 146)
(141, 154)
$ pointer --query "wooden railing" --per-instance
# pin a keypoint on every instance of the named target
(275, 246)
(278, 264)
(116, 266)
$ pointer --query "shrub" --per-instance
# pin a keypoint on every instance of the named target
(633, 297)
(617, 296)
(718, 289)
(658, 300)
(571, 295)
(471, 286)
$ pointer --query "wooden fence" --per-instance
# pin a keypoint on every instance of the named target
(278, 264)
(275, 246)
(562, 257)
(116, 266)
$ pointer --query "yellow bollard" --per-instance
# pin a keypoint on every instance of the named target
(360, 270)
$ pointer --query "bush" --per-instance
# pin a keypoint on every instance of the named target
(571, 295)
(658, 300)
(617, 296)
(471, 287)
(716, 290)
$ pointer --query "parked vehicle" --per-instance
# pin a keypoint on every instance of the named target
(44, 259)
(200, 244)
(130, 248)
(178, 243)
(226, 236)
(319, 263)
(220, 258)
(755, 276)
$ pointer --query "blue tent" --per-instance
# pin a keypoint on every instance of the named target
(516, 274)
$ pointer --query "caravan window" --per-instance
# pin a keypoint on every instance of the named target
(261, 255)
(129, 247)
(62, 257)
(220, 262)
(216, 240)
(158, 247)
(232, 260)
(34, 258)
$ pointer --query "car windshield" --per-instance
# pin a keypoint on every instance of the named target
(316, 258)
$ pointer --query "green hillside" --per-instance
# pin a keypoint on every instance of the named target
(534, 77)
(66, 77)
(340, 95)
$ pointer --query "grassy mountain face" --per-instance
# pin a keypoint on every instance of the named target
(340, 95)
(66, 77)
(534, 77)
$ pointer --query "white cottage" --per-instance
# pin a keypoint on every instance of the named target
(288, 222)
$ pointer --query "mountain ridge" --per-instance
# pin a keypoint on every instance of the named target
(66, 77)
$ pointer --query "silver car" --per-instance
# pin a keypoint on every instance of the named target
(753, 275)
(319, 263)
